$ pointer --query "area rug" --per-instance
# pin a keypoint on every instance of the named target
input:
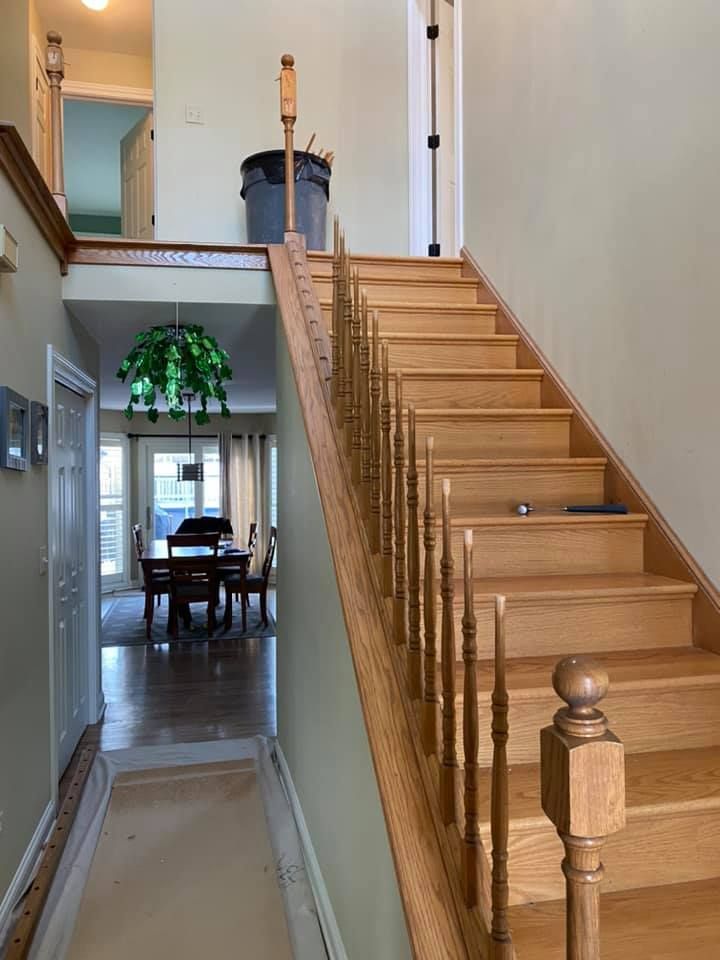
(123, 624)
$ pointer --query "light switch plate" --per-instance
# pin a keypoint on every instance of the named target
(193, 114)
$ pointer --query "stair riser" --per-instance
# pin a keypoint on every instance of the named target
(563, 627)
(484, 439)
(423, 320)
(404, 291)
(490, 356)
(425, 269)
(468, 393)
(674, 847)
(683, 717)
(500, 489)
(524, 551)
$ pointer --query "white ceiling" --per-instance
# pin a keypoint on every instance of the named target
(124, 26)
(246, 331)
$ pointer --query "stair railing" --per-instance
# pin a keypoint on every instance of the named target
(583, 794)
(499, 800)
(55, 69)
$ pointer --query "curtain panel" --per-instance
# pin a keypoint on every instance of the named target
(245, 488)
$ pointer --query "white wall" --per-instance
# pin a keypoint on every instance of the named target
(592, 152)
(320, 723)
(31, 316)
(104, 66)
(224, 57)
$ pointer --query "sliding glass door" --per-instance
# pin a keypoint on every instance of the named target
(164, 500)
(114, 523)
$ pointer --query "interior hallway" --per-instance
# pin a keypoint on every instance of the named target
(187, 692)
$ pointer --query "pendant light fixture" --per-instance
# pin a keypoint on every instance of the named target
(192, 472)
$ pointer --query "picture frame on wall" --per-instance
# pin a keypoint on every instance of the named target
(38, 433)
(14, 430)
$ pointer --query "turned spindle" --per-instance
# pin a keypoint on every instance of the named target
(334, 325)
(386, 468)
(400, 605)
(288, 114)
(499, 799)
(365, 452)
(355, 443)
(430, 696)
(340, 338)
(449, 763)
(471, 740)
(583, 793)
(55, 69)
(415, 665)
(375, 440)
(348, 358)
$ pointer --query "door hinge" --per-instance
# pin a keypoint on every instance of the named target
(433, 32)
(153, 219)
(434, 250)
(434, 141)
(152, 133)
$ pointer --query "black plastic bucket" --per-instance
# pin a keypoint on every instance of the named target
(263, 191)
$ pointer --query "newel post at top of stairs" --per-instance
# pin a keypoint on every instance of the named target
(288, 115)
(55, 69)
(583, 793)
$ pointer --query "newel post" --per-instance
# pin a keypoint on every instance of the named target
(288, 115)
(55, 69)
(583, 793)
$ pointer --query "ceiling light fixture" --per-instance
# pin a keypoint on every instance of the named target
(95, 4)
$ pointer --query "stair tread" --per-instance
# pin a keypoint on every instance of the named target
(548, 520)
(579, 585)
(531, 677)
(479, 463)
(670, 922)
(496, 413)
(413, 306)
(655, 783)
(440, 337)
(472, 373)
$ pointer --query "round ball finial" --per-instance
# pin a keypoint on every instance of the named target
(287, 60)
(54, 37)
(582, 683)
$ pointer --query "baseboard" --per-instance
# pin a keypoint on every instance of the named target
(24, 873)
(326, 914)
(664, 551)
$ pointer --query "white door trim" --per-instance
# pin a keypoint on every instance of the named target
(63, 371)
(80, 90)
(419, 179)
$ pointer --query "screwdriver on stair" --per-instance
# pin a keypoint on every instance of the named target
(525, 509)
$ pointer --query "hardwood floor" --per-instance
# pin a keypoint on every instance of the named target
(179, 693)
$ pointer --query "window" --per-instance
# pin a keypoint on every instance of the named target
(169, 501)
(273, 491)
(114, 529)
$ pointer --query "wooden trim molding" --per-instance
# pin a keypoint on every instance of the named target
(158, 253)
(27, 181)
(434, 925)
(664, 552)
(80, 90)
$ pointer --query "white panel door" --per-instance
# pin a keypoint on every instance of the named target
(136, 166)
(70, 607)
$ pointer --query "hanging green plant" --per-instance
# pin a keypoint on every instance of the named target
(168, 361)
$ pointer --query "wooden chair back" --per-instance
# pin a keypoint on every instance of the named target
(252, 538)
(269, 555)
(138, 539)
(196, 575)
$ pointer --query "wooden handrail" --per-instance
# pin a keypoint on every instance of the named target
(449, 763)
(415, 666)
(400, 604)
(288, 115)
(430, 697)
(583, 793)
(55, 69)
(386, 457)
(499, 812)
(471, 738)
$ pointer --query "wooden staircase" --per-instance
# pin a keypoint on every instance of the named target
(574, 584)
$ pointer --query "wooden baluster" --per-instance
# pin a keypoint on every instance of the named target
(348, 359)
(375, 440)
(340, 336)
(356, 445)
(288, 113)
(583, 793)
(415, 665)
(430, 697)
(471, 839)
(499, 812)
(387, 512)
(400, 607)
(334, 325)
(365, 454)
(447, 656)
(55, 69)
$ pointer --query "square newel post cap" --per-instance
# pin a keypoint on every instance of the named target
(582, 762)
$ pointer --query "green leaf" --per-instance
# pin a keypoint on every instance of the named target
(129, 412)
(224, 410)
(176, 413)
(201, 418)
(153, 414)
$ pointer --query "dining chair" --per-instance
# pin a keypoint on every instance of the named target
(193, 579)
(205, 524)
(252, 546)
(156, 585)
(258, 583)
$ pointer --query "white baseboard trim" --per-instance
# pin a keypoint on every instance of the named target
(326, 914)
(24, 873)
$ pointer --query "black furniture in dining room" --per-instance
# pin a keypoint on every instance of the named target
(193, 575)
(156, 582)
(246, 585)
